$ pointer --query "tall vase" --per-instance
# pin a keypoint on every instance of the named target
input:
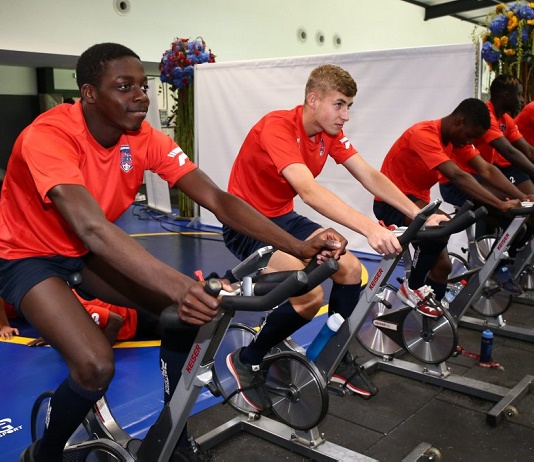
(184, 135)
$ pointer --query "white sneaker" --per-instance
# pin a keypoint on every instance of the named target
(422, 299)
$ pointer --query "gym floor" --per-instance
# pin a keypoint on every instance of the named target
(404, 416)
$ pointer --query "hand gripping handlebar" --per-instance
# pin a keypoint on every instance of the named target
(294, 283)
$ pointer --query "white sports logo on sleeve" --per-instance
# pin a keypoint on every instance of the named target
(345, 141)
(182, 156)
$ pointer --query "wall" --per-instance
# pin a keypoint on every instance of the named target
(16, 80)
(234, 29)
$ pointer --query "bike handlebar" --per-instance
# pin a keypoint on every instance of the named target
(455, 225)
(297, 283)
(294, 283)
(464, 218)
(264, 283)
(518, 211)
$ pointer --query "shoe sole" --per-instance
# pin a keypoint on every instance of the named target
(231, 368)
(433, 316)
(348, 385)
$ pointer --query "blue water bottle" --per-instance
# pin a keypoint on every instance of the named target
(330, 327)
(486, 345)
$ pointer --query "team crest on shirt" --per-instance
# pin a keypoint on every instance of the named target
(126, 158)
(322, 150)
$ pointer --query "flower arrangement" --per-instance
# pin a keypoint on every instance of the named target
(177, 64)
(177, 69)
(508, 41)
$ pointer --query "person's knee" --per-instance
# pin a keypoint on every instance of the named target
(96, 371)
(350, 270)
(309, 304)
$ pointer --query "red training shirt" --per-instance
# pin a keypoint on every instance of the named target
(276, 141)
(504, 126)
(56, 149)
(525, 122)
(411, 163)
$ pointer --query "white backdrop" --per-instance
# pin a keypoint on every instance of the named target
(396, 88)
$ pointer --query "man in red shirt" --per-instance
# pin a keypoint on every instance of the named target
(503, 144)
(525, 122)
(280, 158)
(415, 163)
(74, 171)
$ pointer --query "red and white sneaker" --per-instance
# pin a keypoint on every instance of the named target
(421, 299)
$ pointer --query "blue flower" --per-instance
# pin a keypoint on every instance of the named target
(178, 77)
(525, 12)
(513, 37)
(203, 57)
(195, 45)
(489, 54)
(188, 72)
(498, 25)
(193, 58)
(164, 78)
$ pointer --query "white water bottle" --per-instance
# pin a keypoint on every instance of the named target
(451, 294)
(330, 327)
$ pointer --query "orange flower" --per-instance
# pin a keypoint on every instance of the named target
(512, 22)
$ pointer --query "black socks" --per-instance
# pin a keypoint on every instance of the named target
(68, 406)
(343, 298)
(425, 257)
(280, 323)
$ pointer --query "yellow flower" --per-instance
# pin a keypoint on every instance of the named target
(504, 40)
(530, 22)
(512, 23)
(500, 7)
(509, 52)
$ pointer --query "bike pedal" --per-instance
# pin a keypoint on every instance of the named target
(338, 391)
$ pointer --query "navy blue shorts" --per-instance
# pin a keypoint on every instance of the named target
(514, 174)
(454, 195)
(389, 214)
(243, 246)
(17, 277)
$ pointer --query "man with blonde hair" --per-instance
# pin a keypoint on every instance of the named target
(280, 159)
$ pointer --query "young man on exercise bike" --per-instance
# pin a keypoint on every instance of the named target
(505, 147)
(279, 159)
(415, 162)
(74, 171)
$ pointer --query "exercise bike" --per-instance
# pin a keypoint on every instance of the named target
(298, 395)
(494, 301)
(433, 341)
(101, 439)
